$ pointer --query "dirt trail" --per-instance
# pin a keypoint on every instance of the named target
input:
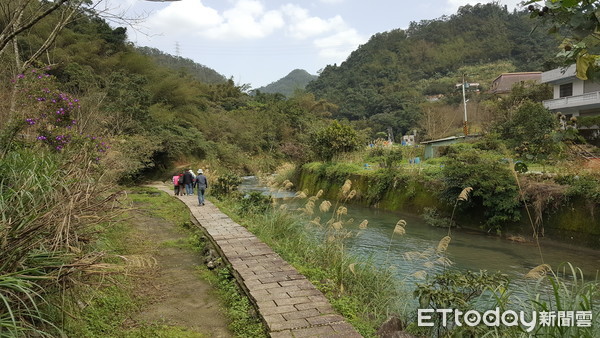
(178, 297)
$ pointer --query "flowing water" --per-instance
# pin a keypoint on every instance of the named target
(468, 250)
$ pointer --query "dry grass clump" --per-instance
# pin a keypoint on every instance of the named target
(542, 195)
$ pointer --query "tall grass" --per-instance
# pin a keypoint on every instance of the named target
(48, 201)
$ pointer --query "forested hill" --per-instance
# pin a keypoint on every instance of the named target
(392, 72)
(296, 79)
(177, 63)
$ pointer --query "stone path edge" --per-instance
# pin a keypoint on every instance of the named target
(287, 302)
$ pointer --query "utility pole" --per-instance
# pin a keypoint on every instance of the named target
(465, 125)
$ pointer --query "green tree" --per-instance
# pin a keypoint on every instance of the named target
(494, 187)
(334, 139)
(530, 131)
(579, 21)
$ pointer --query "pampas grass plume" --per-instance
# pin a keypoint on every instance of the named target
(363, 224)
(539, 271)
(325, 205)
(464, 194)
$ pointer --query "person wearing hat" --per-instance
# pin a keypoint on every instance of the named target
(202, 185)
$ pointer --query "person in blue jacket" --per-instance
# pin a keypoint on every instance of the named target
(202, 185)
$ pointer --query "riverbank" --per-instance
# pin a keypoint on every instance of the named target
(569, 218)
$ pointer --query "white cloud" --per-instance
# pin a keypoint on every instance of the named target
(337, 47)
(247, 19)
(250, 19)
(302, 25)
(184, 17)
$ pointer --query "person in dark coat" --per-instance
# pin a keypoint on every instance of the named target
(188, 180)
(202, 185)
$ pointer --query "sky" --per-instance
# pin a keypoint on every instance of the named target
(256, 42)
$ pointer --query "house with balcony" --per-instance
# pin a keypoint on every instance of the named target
(572, 96)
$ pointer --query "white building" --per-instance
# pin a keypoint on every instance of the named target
(572, 96)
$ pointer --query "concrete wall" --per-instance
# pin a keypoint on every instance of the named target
(589, 87)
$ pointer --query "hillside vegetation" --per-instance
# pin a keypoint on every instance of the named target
(296, 79)
(385, 81)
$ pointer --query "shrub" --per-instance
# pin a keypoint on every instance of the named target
(254, 203)
(530, 131)
(226, 184)
(432, 217)
(334, 139)
(494, 186)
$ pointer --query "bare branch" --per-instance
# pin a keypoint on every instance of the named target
(12, 30)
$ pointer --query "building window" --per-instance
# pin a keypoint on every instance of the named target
(566, 90)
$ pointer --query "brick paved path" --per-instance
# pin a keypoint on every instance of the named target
(289, 304)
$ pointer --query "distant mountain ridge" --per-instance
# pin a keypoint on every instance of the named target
(296, 79)
(198, 71)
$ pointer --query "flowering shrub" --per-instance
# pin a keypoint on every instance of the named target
(49, 114)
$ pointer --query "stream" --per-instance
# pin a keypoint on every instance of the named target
(468, 250)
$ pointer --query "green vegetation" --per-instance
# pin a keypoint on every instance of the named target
(384, 82)
(334, 139)
(494, 186)
(576, 22)
(296, 80)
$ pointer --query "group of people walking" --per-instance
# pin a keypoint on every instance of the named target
(185, 182)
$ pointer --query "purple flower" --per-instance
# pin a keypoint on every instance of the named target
(59, 147)
(41, 137)
(20, 76)
(30, 121)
